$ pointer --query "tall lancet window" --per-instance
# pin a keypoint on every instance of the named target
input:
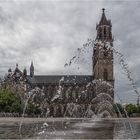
(105, 74)
(100, 33)
(104, 32)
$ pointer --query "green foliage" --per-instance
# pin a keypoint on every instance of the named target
(9, 101)
(32, 109)
(118, 108)
(131, 108)
(138, 109)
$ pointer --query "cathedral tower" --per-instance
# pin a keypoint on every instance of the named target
(102, 52)
(32, 69)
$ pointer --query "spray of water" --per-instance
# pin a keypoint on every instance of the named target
(29, 97)
(123, 64)
(119, 55)
(58, 94)
(73, 108)
(79, 51)
(24, 109)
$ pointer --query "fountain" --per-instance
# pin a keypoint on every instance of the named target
(104, 109)
(80, 107)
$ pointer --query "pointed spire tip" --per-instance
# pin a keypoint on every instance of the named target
(103, 9)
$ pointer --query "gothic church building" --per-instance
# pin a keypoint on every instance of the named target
(80, 93)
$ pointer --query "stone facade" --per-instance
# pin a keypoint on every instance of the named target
(79, 95)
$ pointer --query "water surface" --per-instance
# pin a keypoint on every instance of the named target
(69, 128)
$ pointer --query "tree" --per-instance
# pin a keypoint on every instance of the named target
(33, 109)
(9, 101)
(131, 108)
(138, 109)
(118, 108)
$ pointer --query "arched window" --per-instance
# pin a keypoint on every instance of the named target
(104, 32)
(105, 74)
(99, 33)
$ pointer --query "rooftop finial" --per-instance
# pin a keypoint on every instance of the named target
(104, 20)
(16, 64)
(103, 10)
(32, 62)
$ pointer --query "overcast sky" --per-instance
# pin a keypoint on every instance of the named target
(49, 33)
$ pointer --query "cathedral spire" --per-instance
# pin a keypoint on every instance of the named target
(24, 72)
(16, 65)
(104, 20)
(104, 31)
(103, 56)
(32, 69)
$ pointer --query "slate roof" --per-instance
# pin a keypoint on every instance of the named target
(55, 79)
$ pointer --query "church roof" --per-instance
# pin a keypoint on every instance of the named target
(55, 79)
(104, 20)
(17, 70)
(9, 70)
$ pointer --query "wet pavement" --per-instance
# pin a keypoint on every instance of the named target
(70, 129)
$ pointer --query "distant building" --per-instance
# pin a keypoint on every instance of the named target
(63, 93)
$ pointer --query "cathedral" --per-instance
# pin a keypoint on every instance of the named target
(65, 94)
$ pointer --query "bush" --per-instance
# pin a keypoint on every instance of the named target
(138, 109)
(131, 108)
(9, 101)
(32, 109)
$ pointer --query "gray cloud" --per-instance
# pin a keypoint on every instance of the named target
(49, 32)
